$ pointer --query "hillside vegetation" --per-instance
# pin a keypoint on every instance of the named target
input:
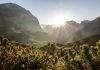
(17, 56)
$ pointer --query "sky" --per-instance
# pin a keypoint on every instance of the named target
(51, 11)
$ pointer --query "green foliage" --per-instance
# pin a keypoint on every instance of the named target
(17, 56)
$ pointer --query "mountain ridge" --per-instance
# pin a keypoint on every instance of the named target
(73, 31)
(18, 23)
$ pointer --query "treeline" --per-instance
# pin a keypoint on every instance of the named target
(16, 56)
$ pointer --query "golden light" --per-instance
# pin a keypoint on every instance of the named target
(59, 19)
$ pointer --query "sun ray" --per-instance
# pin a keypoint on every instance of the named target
(59, 19)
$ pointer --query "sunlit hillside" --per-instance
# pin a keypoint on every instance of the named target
(17, 56)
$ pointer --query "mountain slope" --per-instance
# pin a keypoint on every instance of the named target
(90, 28)
(17, 23)
(72, 31)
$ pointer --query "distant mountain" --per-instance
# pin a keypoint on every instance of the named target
(63, 33)
(18, 23)
(67, 31)
(73, 31)
(90, 28)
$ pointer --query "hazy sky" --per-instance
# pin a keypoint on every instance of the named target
(47, 10)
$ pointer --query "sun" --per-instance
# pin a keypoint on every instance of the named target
(59, 19)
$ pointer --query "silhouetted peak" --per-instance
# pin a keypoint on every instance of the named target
(85, 22)
(11, 9)
(9, 5)
(72, 23)
(97, 19)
